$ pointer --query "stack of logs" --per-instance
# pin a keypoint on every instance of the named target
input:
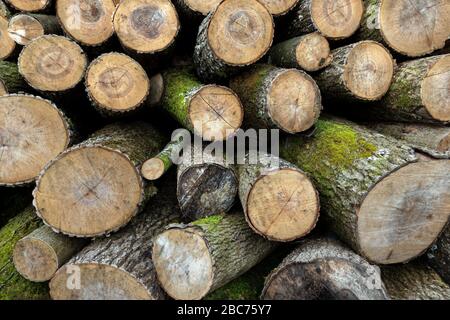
(93, 207)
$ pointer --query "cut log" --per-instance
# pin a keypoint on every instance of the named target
(279, 7)
(116, 84)
(40, 254)
(29, 6)
(207, 185)
(87, 21)
(10, 79)
(280, 202)
(439, 255)
(287, 99)
(95, 188)
(429, 139)
(13, 201)
(195, 9)
(7, 45)
(52, 64)
(120, 267)
(210, 111)
(414, 281)
(412, 28)
(12, 285)
(23, 28)
(194, 260)
(361, 71)
(32, 132)
(335, 20)
(375, 195)
(236, 34)
(310, 52)
(324, 269)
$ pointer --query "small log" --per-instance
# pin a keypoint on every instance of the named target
(414, 281)
(95, 188)
(8, 47)
(120, 267)
(236, 34)
(439, 255)
(280, 202)
(52, 64)
(116, 84)
(30, 6)
(310, 52)
(23, 28)
(196, 259)
(279, 7)
(40, 254)
(375, 194)
(33, 131)
(10, 79)
(360, 71)
(288, 99)
(324, 269)
(412, 28)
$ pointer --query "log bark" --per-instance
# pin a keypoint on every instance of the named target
(33, 131)
(196, 259)
(120, 267)
(12, 285)
(40, 254)
(374, 194)
(279, 8)
(362, 71)
(287, 99)
(195, 10)
(324, 269)
(398, 24)
(219, 54)
(414, 281)
(30, 6)
(8, 47)
(439, 255)
(4, 11)
(210, 111)
(207, 184)
(24, 28)
(429, 139)
(116, 84)
(95, 187)
(309, 52)
(10, 79)
(280, 202)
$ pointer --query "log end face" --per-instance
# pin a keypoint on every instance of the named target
(153, 169)
(8, 45)
(24, 28)
(313, 52)
(29, 6)
(183, 264)
(156, 90)
(279, 7)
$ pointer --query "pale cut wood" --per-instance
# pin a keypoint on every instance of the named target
(32, 132)
(156, 90)
(7, 45)
(279, 7)
(30, 5)
(23, 28)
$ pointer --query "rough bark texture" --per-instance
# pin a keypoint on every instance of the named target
(12, 285)
(323, 268)
(10, 79)
(414, 281)
(4, 11)
(439, 255)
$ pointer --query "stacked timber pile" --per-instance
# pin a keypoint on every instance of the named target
(103, 196)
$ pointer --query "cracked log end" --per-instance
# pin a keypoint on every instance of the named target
(415, 28)
(405, 212)
(279, 7)
(183, 264)
(52, 63)
(240, 32)
(369, 71)
(313, 52)
(24, 28)
(216, 111)
(202, 6)
(29, 6)
(8, 45)
(153, 169)
(117, 83)
(146, 26)
(88, 191)
(32, 133)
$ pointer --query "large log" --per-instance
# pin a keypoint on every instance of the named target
(360, 71)
(439, 255)
(279, 7)
(287, 99)
(95, 188)
(30, 6)
(375, 195)
(412, 28)
(280, 202)
(12, 285)
(120, 267)
(40, 254)
(414, 281)
(23, 28)
(236, 34)
(8, 47)
(33, 131)
(324, 269)
(195, 259)
(10, 79)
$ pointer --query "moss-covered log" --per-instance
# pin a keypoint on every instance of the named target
(374, 194)
(10, 79)
(439, 255)
(414, 281)
(95, 187)
(195, 259)
(8, 47)
(412, 28)
(324, 269)
(12, 285)
(30, 6)
(288, 99)
(24, 28)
